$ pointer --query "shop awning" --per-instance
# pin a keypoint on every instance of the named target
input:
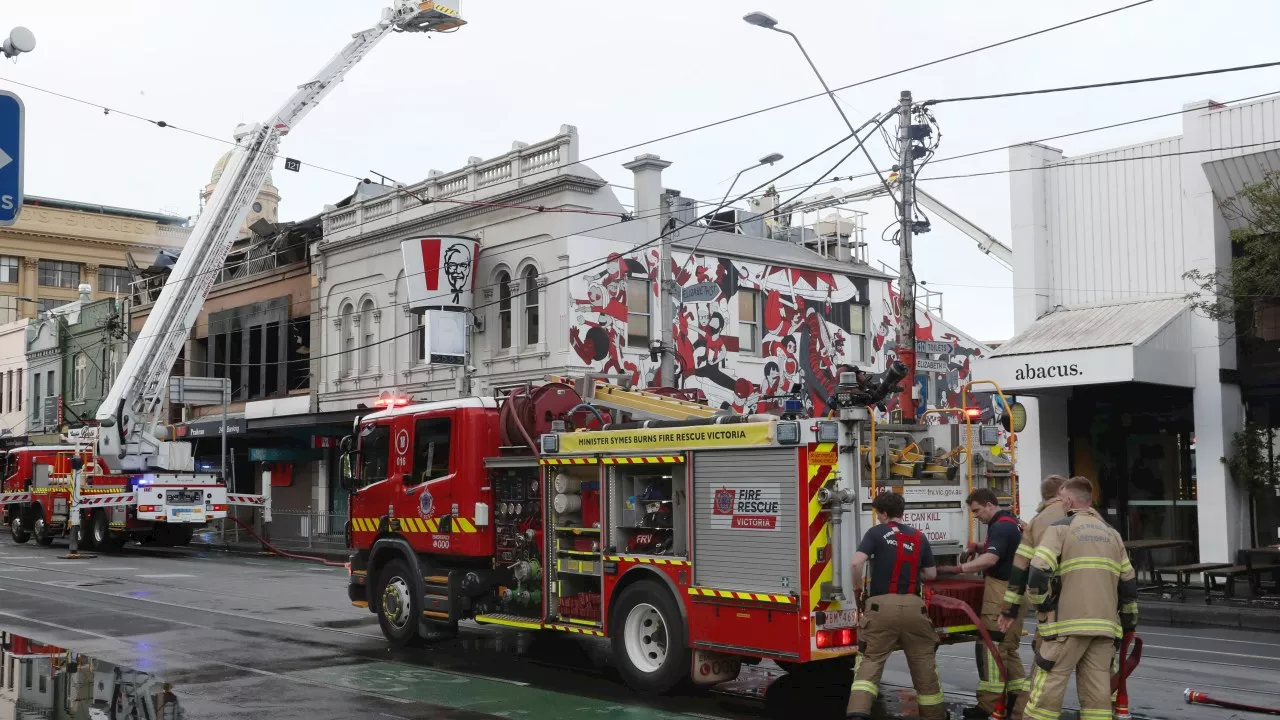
(1145, 341)
(1228, 176)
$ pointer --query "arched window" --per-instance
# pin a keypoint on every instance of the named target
(347, 336)
(368, 344)
(81, 378)
(531, 306)
(504, 310)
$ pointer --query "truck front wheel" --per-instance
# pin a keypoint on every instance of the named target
(18, 530)
(399, 604)
(650, 645)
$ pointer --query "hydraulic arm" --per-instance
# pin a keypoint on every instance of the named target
(131, 438)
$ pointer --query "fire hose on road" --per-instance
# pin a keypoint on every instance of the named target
(282, 553)
(1130, 657)
(1198, 698)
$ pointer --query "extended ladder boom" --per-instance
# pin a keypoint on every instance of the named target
(131, 439)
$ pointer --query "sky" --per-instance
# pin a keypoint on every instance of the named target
(623, 72)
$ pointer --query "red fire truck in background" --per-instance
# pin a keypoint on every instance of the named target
(691, 539)
(36, 499)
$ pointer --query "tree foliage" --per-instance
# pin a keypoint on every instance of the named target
(1252, 462)
(1252, 280)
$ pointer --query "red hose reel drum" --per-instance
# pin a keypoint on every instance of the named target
(535, 409)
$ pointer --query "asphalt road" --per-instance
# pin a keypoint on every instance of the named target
(261, 637)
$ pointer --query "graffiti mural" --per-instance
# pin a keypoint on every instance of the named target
(749, 335)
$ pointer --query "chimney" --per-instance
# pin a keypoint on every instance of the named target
(85, 290)
(648, 181)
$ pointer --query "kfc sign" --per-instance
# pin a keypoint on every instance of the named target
(440, 272)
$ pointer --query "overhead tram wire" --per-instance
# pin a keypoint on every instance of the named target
(662, 238)
(1075, 133)
(1093, 86)
(669, 136)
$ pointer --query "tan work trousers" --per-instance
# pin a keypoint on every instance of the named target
(990, 688)
(1089, 658)
(897, 622)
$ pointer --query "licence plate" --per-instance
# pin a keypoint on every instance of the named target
(840, 619)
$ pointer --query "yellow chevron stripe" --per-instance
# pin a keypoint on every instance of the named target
(433, 525)
(465, 524)
(735, 595)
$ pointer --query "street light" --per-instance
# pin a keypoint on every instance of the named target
(766, 21)
(21, 40)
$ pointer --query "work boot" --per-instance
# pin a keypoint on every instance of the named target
(975, 713)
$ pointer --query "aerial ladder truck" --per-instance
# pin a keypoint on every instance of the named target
(131, 451)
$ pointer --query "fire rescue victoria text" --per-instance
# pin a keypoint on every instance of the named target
(692, 436)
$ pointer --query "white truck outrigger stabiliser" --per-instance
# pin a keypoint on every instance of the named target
(130, 439)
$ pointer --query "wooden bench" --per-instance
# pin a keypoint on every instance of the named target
(1182, 574)
(1230, 574)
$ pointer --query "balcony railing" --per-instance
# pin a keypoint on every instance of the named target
(240, 265)
(480, 177)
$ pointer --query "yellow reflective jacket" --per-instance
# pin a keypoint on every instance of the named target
(1081, 579)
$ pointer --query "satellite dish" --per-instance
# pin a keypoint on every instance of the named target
(21, 40)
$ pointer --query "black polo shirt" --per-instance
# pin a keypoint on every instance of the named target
(880, 543)
(1003, 538)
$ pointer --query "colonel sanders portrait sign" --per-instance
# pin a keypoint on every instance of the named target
(440, 272)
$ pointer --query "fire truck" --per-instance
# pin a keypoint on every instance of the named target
(691, 539)
(38, 490)
(128, 475)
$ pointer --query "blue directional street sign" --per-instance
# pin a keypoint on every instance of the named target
(11, 122)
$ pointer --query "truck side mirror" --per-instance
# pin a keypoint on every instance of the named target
(347, 472)
(346, 445)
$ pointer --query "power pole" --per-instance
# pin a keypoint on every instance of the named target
(906, 274)
(668, 295)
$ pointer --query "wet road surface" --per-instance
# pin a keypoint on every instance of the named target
(261, 637)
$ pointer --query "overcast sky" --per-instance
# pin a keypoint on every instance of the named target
(622, 72)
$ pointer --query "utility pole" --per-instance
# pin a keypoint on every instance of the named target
(668, 295)
(906, 274)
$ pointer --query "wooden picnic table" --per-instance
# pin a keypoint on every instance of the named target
(1270, 559)
(1144, 551)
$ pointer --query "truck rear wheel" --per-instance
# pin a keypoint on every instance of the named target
(399, 604)
(19, 532)
(650, 645)
(100, 533)
(40, 529)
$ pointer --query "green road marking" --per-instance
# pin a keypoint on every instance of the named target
(461, 692)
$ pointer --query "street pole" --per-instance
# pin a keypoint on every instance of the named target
(906, 273)
(668, 296)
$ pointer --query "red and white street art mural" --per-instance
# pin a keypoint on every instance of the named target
(751, 335)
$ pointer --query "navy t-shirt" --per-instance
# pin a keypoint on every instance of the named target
(881, 545)
(1003, 538)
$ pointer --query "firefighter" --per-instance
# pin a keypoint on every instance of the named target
(1083, 582)
(1051, 510)
(994, 559)
(895, 616)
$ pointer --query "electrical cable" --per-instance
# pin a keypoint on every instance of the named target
(1113, 83)
(1058, 137)
(699, 128)
(597, 264)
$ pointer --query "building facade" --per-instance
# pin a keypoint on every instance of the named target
(1124, 381)
(567, 281)
(57, 245)
(13, 382)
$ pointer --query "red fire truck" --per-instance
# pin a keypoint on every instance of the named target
(693, 540)
(36, 498)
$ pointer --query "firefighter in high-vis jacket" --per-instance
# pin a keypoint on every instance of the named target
(1083, 582)
(894, 615)
(994, 559)
(1051, 510)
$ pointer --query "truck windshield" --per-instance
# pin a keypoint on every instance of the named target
(375, 447)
